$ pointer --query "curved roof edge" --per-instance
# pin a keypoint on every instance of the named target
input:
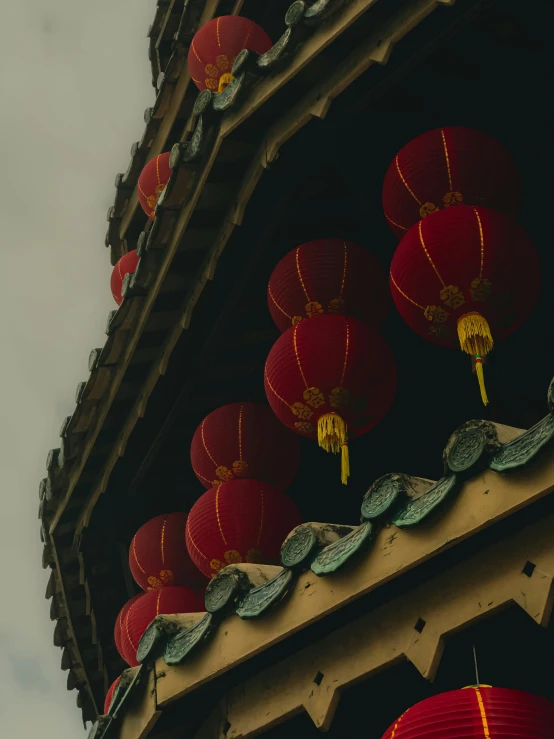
(337, 565)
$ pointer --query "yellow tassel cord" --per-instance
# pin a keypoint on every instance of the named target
(332, 436)
(476, 340)
(224, 81)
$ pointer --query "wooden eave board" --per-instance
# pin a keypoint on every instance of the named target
(474, 589)
(279, 134)
(483, 501)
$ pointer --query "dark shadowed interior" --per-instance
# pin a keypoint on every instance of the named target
(489, 69)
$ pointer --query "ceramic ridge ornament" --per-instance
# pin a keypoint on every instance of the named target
(449, 166)
(328, 276)
(216, 45)
(140, 614)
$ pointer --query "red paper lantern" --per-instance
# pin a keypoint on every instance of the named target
(158, 555)
(462, 275)
(244, 440)
(110, 693)
(239, 521)
(328, 276)
(216, 45)
(201, 597)
(449, 166)
(481, 711)
(152, 180)
(127, 264)
(120, 620)
(330, 378)
(169, 600)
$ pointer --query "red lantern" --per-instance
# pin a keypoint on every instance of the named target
(120, 620)
(110, 693)
(463, 274)
(201, 597)
(330, 378)
(449, 166)
(480, 711)
(152, 180)
(244, 440)
(328, 276)
(239, 521)
(127, 264)
(216, 45)
(158, 555)
(144, 610)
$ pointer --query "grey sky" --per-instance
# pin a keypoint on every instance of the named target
(74, 82)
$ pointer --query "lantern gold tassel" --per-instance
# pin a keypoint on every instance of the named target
(481, 379)
(344, 463)
(224, 81)
(333, 437)
(476, 340)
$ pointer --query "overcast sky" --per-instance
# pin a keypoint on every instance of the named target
(75, 80)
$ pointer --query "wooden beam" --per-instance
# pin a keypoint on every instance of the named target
(214, 337)
(383, 39)
(476, 588)
(378, 49)
(127, 352)
(141, 717)
(481, 502)
(165, 23)
(60, 590)
(318, 41)
(139, 407)
(160, 139)
(375, 50)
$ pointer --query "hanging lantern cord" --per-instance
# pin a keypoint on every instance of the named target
(332, 435)
(481, 378)
(345, 462)
(476, 340)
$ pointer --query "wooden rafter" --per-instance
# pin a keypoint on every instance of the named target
(170, 115)
(375, 50)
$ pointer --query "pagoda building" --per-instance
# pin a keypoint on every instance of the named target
(214, 573)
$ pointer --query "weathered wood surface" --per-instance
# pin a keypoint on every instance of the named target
(142, 715)
(127, 324)
(65, 633)
(320, 39)
(268, 151)
(170, 114)
(481, 502)
(474, 589)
